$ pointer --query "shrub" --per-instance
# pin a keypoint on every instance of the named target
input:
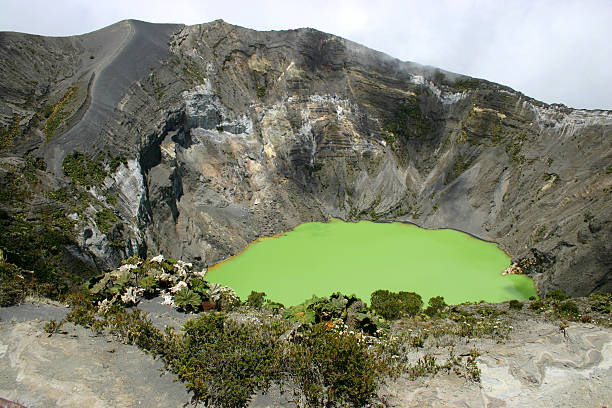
(116, 161)
(187, 299)
(261, 91)
(391, 305)
(256, 299)
(556, 295)
(199, 285)
(148, 283)
(223, 362)
(105, 220)
(411, 302)
(333, 369)
(135, 328)
(600, 303)
(84, 169)
(568, 308)
(300, 313)
(333, 307)
(337, 308)
(515, 304)
(12, 284)
(436, 306)
(52, 326)
(40, 247)
(538, 306)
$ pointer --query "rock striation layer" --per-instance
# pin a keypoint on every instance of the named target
(229, 134)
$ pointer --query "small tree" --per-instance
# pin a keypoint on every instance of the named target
(436, 306)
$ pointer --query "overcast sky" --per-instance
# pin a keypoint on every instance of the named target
(557, 51)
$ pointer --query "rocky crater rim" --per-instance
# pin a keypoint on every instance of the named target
(356, 48)
(202, 138)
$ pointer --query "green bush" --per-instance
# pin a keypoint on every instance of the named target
(411, 302)
(133, 327)
(115, 162)
(12, 284)
(223, 362)
(261, 91)
(556, 295)
(568, 308)
(84, 169)
(105, 220)
(199, 285)
(537, 305)
(148, 283)
(436, 306)
(39, 246)
(391, 305)
(601, 303)
(349, 310)
(300, 313)
(256, 299)
(187, 299)
(515, 304)
(333, 369)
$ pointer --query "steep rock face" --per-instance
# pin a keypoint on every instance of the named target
(233, 134)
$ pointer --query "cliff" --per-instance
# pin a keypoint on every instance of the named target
(193, 141)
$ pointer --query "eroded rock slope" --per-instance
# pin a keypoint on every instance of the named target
(223, 134)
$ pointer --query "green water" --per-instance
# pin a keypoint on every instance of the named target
(359, 258)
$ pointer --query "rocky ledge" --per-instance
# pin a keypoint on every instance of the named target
(540, 363)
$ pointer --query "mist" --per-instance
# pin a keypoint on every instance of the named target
(555, 51)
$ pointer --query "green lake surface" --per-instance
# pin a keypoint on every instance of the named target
(359, 258)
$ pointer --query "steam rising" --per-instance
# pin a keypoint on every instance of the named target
(554, 50)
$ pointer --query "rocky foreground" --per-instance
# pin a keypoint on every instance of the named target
(540, 362)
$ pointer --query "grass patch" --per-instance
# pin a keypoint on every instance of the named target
(407, 121)
(193, 72)
(460, 165)
(261, 91)
(106, 220)
(84, 169)
(116, 161)
(56, 114)
(9, 133)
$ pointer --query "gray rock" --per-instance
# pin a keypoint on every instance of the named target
(234, 134)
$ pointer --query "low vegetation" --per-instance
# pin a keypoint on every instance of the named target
(55, 114)
(105, 220)
(39, 247)
(332, 351)
(460, 165)
(83, 169)
(407, 121)
(12, 283)
(38, 225)
(392, 305)
(9, 133)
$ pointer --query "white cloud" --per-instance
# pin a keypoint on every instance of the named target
(553, 50)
